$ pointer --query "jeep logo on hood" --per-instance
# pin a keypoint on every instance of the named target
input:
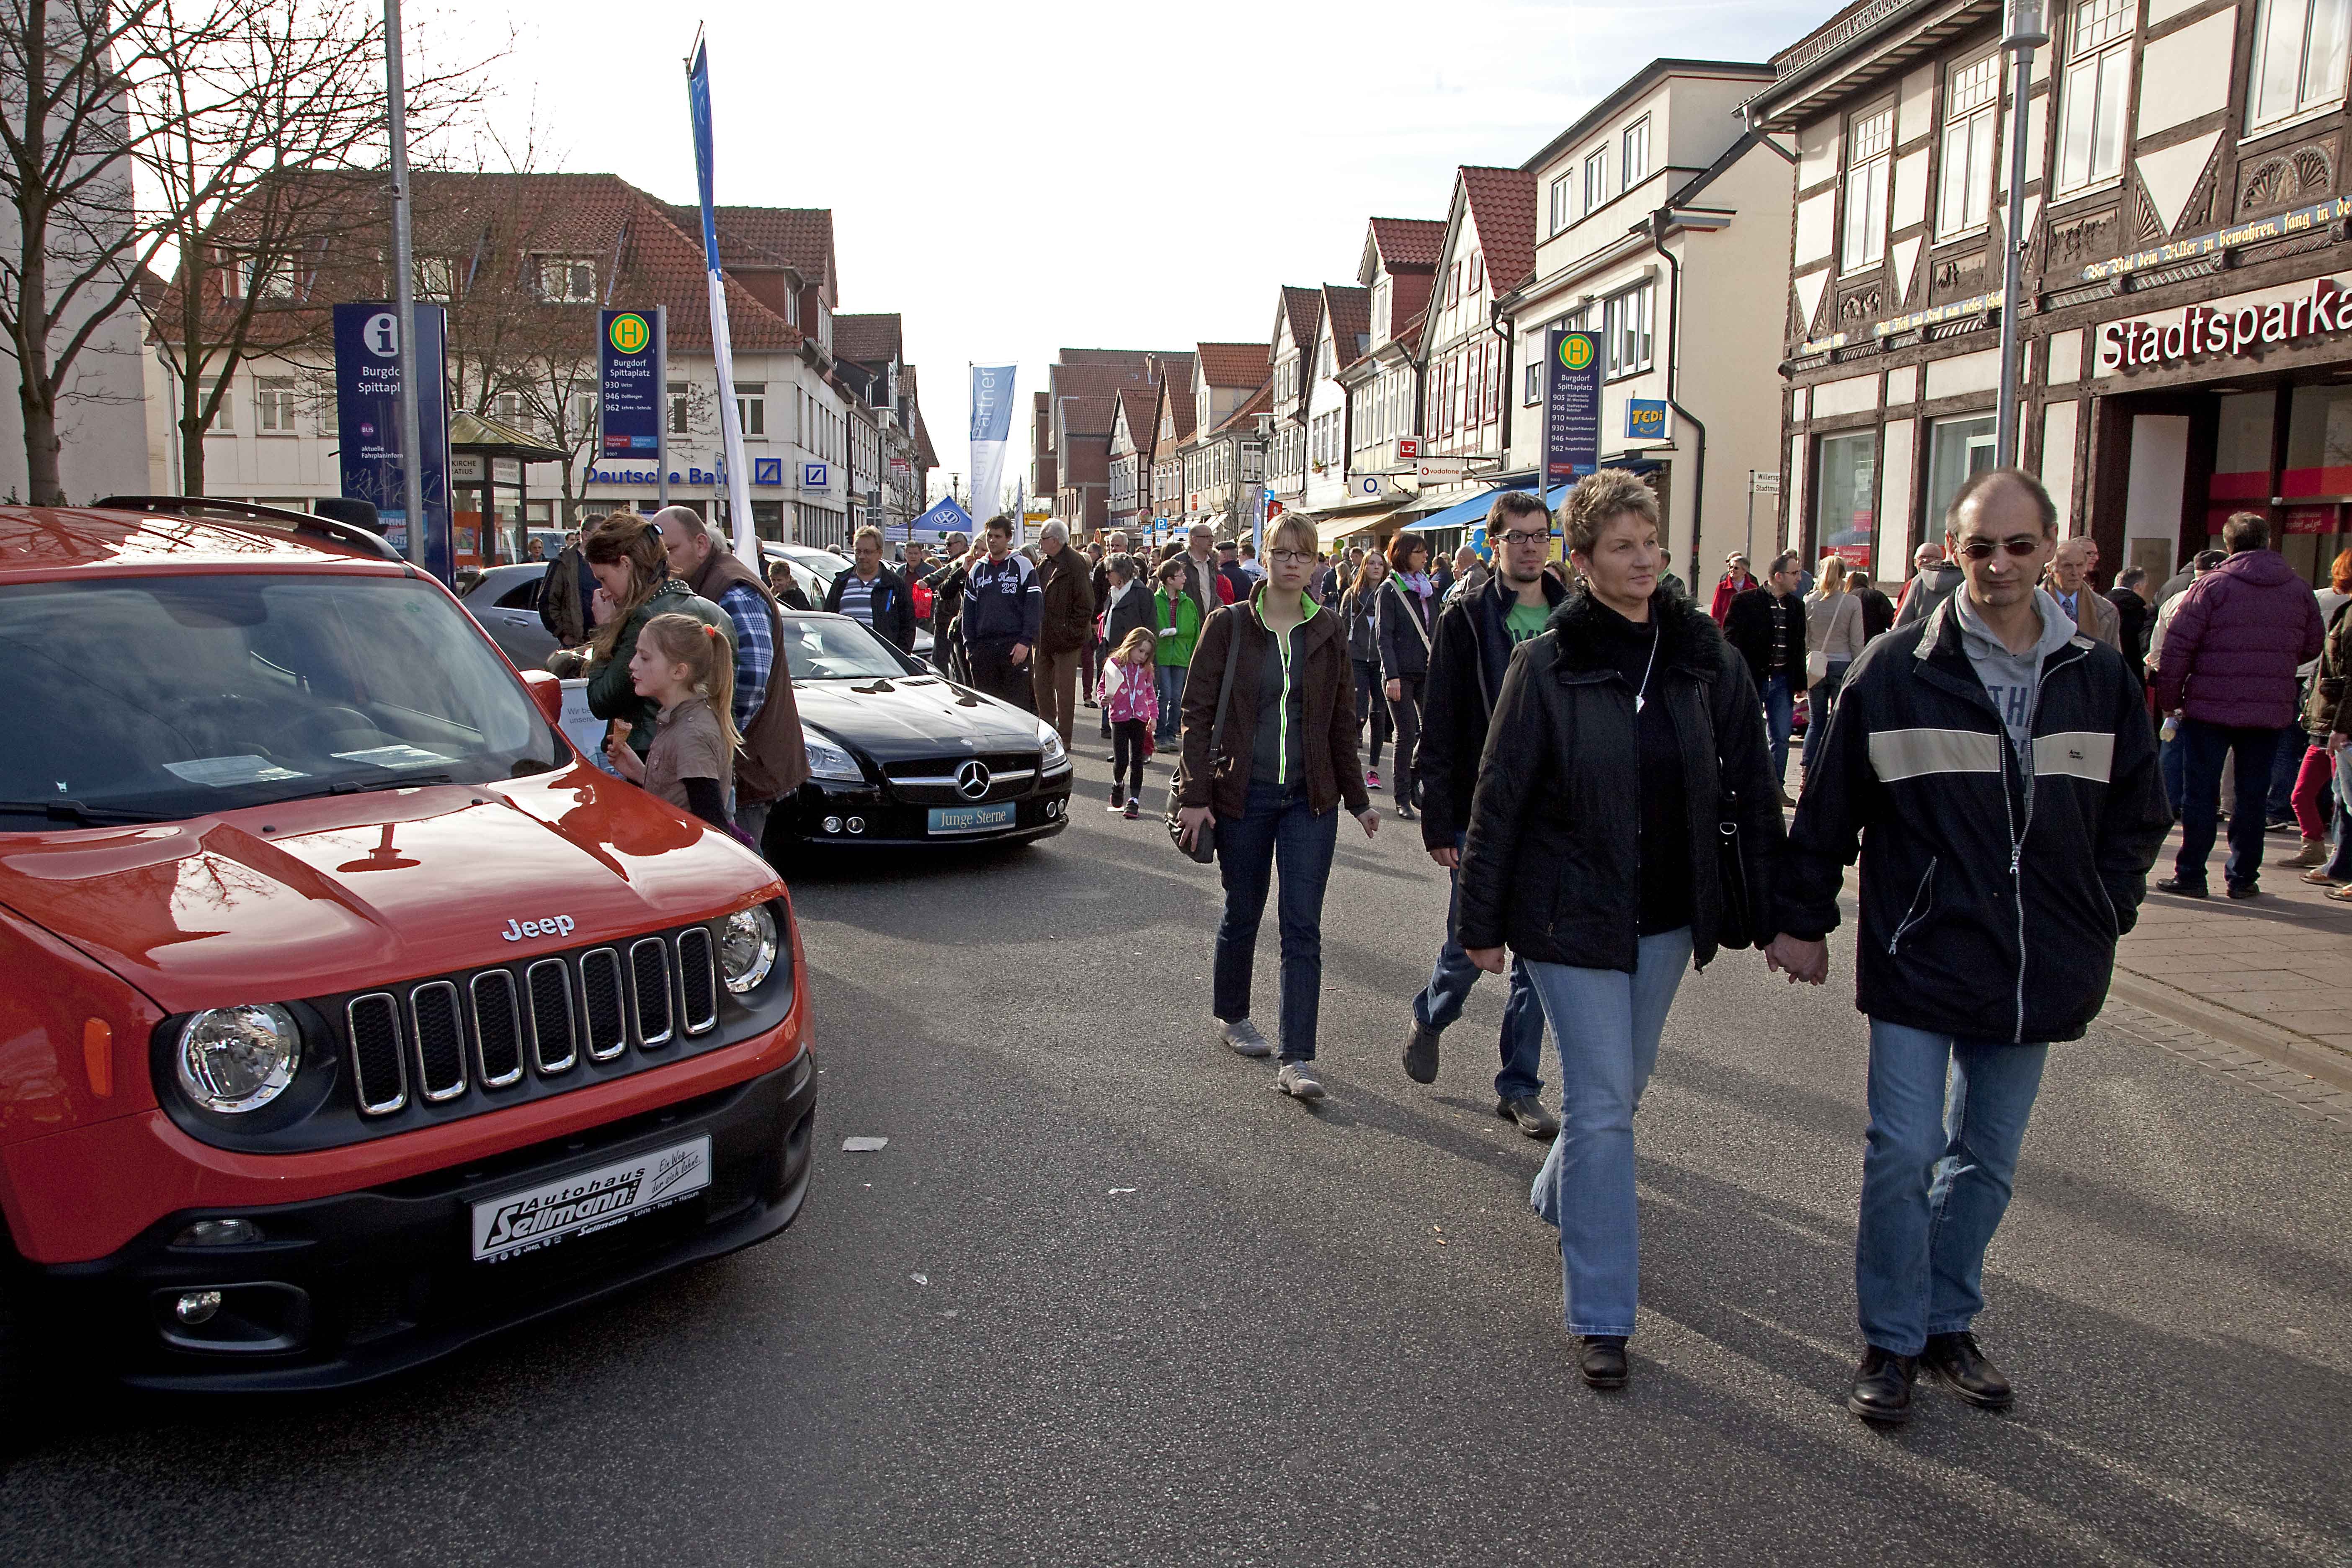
(554, 925)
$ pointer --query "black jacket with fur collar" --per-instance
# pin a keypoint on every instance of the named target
(1552, 866)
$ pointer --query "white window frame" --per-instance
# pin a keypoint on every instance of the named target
(2314, 31)
(1869, 166)
(1964, 166)
(752, 409)
(1636, 160)
(1563, 202)
(566, 279)
(273, 404)
(1596, 177)
(436, 277)
(679, 394)
(1633, 314)
(2095, 84)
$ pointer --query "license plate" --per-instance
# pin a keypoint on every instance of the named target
(589, 1201)
(971, 818)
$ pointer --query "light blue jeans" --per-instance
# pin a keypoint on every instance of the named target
(1607, 1024)
(1947, 1118)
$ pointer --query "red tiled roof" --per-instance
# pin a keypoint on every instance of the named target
(1176, 391)
(797, 237)
(1503, 206)
(869, 339)
(1142, 414)
(1350, 310)
(487, 225)
(1232, 364)
(1408, 242)
(1305, 307)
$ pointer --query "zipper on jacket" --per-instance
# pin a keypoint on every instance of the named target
(1920, 901)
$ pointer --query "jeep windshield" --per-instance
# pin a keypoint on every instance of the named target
(153, 699)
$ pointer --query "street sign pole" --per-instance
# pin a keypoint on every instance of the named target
(2022, 31)
(404, 287)
(1750, 549)
(661, 394)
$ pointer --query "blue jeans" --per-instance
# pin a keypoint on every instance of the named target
(1449, 987)
(2339, 865)
(1781, 722)
(2284, 771)
(2203, 747)
(1278, 828)
(2172, 762)
(1946, 1116)
(1606, 1024)
(1171, 701)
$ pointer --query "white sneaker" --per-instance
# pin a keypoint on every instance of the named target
(1244, 1037)
(1297, 1080)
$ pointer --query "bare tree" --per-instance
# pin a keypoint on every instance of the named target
(253, 150)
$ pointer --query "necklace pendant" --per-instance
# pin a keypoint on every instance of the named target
(1639, 698)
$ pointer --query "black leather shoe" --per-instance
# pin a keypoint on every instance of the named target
(1602, 1364)
(2245, 889)
(1420, 1054)
(2174, 884)
(1882, 1386)
(1528, 1113)
(1960, 1362)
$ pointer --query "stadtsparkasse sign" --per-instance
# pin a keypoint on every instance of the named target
(2226, 328)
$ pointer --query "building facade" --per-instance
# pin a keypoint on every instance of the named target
(2185, 249)
(1660, 216)
(1398, 268)
(1465, 354)
(1297, 319)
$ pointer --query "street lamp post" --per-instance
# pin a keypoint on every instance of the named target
(2023, 30)
(403, 288)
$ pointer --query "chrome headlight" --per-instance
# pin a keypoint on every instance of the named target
(1052, 742)
(236, 1060)
(747, 948)
(828, 761)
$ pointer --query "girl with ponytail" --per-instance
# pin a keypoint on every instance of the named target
(685, 669)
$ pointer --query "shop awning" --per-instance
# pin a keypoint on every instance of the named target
(1330, 531)
(1472, 513)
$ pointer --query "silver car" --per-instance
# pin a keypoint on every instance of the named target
(505, 602)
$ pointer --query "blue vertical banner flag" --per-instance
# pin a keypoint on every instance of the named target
(991, 428)
(737, 474)
(1571, 406)
(367, 411)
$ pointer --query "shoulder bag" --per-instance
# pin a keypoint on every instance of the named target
(1203, 848)
(1736, 929)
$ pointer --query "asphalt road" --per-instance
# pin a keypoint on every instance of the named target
(1108, 1298)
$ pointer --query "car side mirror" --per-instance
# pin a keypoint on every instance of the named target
(546, 691)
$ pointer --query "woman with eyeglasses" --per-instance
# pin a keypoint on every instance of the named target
(1408, 604)
(1269, 754)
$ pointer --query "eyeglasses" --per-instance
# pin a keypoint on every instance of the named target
(1525, 536)
(1983, 549)
(1290, 557)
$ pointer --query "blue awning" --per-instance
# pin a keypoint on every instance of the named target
(1471, 513)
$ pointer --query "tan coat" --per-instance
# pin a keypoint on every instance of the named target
(2096, 619)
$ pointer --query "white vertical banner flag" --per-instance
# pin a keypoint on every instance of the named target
(991, 428)
(723, 352)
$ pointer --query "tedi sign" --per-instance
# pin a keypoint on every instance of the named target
(2225, 328)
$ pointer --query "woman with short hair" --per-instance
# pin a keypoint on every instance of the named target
(1624, 739)
(1833, 629)
(1269, 759)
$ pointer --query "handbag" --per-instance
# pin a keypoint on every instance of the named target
(1203, 848)
(1737, 928)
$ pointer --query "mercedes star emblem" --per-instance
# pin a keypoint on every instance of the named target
(972, 780)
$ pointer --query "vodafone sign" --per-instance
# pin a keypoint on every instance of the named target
(2226, 328)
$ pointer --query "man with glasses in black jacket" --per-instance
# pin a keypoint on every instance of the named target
(1996, 770)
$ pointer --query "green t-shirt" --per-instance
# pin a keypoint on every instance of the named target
(1526, 621)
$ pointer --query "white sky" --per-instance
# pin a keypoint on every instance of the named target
(1013, 178)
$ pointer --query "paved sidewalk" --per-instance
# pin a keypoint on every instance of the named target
(2272, 970)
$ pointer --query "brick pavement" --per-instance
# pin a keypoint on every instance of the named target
(2276, 970)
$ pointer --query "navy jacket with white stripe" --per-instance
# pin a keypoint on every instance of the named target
(1988, 911)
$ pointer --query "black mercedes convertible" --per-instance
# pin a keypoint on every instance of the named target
(899, 755)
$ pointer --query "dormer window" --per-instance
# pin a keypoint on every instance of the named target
(567, 280)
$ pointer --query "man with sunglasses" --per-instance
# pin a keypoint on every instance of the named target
(1476, 636)
(1999, 773)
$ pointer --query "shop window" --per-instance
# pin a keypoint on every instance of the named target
(1955, 448)
(2298, 61)
(1846, 501)
(2318, 444)
(2098, 78)
(1870, 148)
(1971, 111)
(2242, 449)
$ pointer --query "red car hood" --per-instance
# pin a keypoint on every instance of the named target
(351, 890)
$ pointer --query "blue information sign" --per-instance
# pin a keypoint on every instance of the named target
(1571, 417)
(629, 410)
(1645, 419)
(367, 407)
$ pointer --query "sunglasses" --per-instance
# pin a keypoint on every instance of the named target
(1983, 549)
